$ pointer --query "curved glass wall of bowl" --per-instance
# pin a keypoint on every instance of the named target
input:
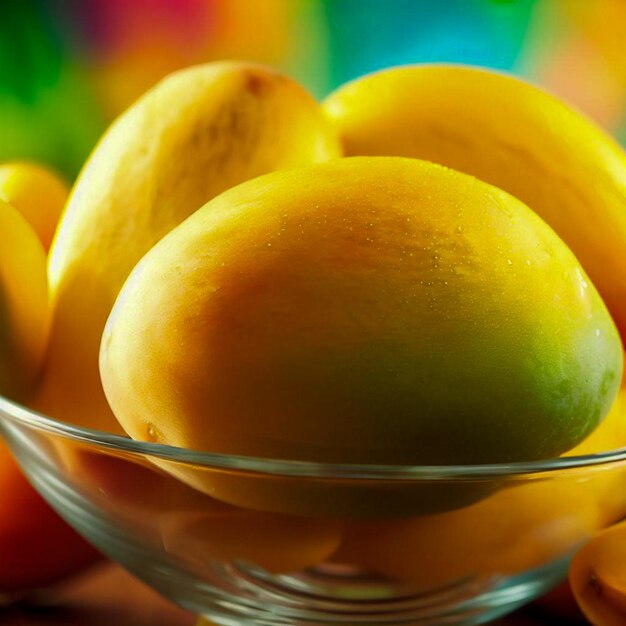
(261, 541)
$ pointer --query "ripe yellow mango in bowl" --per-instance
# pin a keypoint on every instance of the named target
(369, 310)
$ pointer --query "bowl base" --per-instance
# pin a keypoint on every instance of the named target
(336, 595)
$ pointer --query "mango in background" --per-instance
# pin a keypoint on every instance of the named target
(37, 548)
(507, 133)
(24, 312)
(37, 193)
(197, 133)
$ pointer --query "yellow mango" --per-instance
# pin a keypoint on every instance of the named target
(597, 576)
(23, 303)
(197, 133)
(37, 193)
(389, 311)
(507, 133)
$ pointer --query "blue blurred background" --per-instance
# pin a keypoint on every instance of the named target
(67, 67)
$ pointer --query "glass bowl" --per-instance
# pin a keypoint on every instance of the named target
(248, 540)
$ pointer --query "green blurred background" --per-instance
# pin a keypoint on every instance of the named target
(67, 67)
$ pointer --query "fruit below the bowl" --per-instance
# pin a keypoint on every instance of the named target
(368, 310)
(197, 133)
(510, 134)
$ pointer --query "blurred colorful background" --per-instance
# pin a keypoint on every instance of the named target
(67, 67)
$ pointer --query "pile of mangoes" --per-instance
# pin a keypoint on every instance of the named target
(37, 548)
(425, 269)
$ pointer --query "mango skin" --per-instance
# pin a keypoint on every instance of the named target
(24, 312)
(197, 133)
(511, 135)
(38, 193)
(368, 310)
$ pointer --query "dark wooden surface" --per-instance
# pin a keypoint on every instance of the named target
(108, 596)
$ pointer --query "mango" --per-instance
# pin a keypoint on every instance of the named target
(38, 193)
(507, 133)
(24, 312)
(597, 576)
(611, 433)
(330, 497)
(197, 133)
(367, 310)
(37, 548)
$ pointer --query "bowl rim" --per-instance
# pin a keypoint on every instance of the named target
(105, 441)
